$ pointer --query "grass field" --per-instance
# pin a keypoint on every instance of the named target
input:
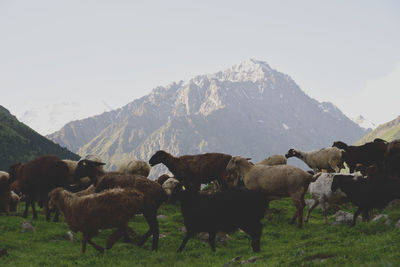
(367, 244)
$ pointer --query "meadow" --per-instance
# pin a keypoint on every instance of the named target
(282, 244)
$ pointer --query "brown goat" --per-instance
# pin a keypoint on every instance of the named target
(153, 193)
(87, 214)
(37, 178)
(198, 169)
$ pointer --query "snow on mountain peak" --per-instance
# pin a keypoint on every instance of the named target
(249, 70)
(364, 123)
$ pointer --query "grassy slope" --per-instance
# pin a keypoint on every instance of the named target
(387, 131)
(368, 244)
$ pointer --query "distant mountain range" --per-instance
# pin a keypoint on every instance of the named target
(387, 131)
(249, 109)
(19, 143)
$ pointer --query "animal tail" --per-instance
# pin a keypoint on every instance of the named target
(315, 177)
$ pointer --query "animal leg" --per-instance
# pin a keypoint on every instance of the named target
(314, 204)
(324, 212)
(211, 240)
(151, 219)
(114, 237)
(83, 244)
(185, 240)
(358, 211)
(33, 209)
(97, 247)
(27, 203)
(254, 231)
(268, 212)
(56, 215)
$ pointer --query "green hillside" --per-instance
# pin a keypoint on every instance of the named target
(19, 143)
(387, 131)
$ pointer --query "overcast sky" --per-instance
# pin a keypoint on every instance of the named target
(108, 53)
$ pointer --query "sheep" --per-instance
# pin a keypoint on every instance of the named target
(87, 214)
(273, 160)
(169, 185)
(277, 181)
(367, 154)
(321, 193)
(373, 192)
(329, 159)
(37, 178)
(154, 195)
(14, 201)
(162, 178)
(223, 211)
(135, 166)
(197, 169)
(5, 193)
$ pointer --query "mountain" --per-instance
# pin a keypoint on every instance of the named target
(48, 118)
(364, 123)
(387, 131)
(249, 109)
(19, 143)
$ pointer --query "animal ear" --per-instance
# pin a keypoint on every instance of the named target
(248, 158)
(100, 163)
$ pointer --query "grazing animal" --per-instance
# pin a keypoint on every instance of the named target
(321, 194)
(135, 166)
(367, 154)
(329, 159)
(109, 209)
(376, 191)
(162, 178)
(198, 169)
(223, 211)
(153, 193)
(392, 158)
(273, 160)
(277, 181)
(37, 178)
(5, 193)
(169, 185)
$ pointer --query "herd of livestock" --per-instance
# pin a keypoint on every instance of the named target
(91, 199)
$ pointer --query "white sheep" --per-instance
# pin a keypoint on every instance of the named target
(321, 194)
(135, 166)
(277, 181)
(329, 159)
(273, 160)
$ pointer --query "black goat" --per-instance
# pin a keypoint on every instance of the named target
(368, 154)
(375, 191)
(221, 212)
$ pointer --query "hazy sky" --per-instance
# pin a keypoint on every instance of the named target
(99, 53)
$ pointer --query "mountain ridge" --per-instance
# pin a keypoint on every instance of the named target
(249, 109)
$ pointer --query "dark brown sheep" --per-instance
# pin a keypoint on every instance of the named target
(198, 169)
(109, 209)
(367, 154)
(153, 193)
(37, 178)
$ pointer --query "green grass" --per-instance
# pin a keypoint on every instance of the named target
(282, 244)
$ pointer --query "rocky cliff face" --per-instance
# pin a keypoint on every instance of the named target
(249, 109)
